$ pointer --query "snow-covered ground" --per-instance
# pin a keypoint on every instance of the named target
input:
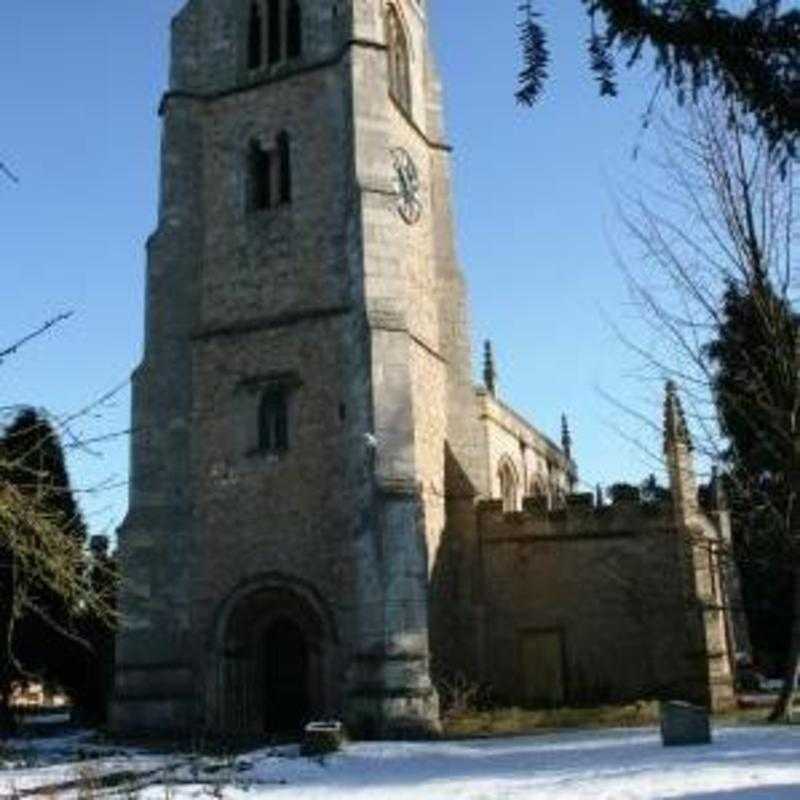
(747, 763)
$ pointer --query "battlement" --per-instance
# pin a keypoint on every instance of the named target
(578, 518)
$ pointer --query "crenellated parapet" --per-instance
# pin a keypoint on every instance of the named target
(579, 517)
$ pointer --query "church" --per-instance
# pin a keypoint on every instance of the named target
(328, 517)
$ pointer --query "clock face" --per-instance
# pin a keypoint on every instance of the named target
(407, 186)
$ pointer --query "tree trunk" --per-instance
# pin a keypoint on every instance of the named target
(782, 710)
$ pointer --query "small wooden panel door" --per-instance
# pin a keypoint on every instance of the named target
(542, 668)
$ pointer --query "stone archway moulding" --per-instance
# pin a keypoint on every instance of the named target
(303, 589)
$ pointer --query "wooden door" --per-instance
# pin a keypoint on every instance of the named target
(286, 678)
(542, 668)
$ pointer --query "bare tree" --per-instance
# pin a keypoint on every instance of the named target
(718, 230)
(6, 172)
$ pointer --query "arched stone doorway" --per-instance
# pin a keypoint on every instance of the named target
(272, 654)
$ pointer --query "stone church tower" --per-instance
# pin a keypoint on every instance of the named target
(305, 376)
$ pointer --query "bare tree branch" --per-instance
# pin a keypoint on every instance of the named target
(40, 331)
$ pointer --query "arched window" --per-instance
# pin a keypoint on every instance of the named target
(538, 491)
(255, 37)
(285, 163)
(508, 487)
(399, 69)
(274, 33)
(269, 174)
(259, 177)
(294, 29)
(273, 421)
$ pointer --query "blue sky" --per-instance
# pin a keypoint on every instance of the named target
(80, 83)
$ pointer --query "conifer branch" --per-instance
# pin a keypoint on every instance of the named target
(752, 57)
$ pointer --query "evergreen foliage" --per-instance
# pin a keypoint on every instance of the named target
(755, 383)
(755, 387)
(752, 57)
(624, 493)
(45, 571)
(650, 492)
(535, 53)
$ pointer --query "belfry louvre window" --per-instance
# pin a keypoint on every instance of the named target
(274, 32)
(399, 67)
(255, 37)
(273, 421)
(294, 29)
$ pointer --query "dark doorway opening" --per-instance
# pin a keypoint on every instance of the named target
(286, 675)
(273, 664)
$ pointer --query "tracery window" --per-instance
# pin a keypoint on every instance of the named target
(399, 65)
(508, 487)
(538, 491)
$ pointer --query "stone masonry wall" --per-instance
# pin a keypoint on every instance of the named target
(240, 299)
(539, 464)
(403, 269)
(360, 316)
(291, 515)
(610, 583)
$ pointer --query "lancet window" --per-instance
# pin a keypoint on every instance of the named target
(269, 173)
(259, 167)
(399, 64)
(273, 421)
(508, 487)
(294, 29)
(255, 37)
(275, 35)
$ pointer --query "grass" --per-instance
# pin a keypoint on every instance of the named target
(511, 721)
(516, 721)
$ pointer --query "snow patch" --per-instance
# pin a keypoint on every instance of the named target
(747, 763)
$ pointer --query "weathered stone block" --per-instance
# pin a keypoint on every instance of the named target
(684, 724)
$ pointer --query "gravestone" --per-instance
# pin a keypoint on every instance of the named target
(322, 738)
(684, 724)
